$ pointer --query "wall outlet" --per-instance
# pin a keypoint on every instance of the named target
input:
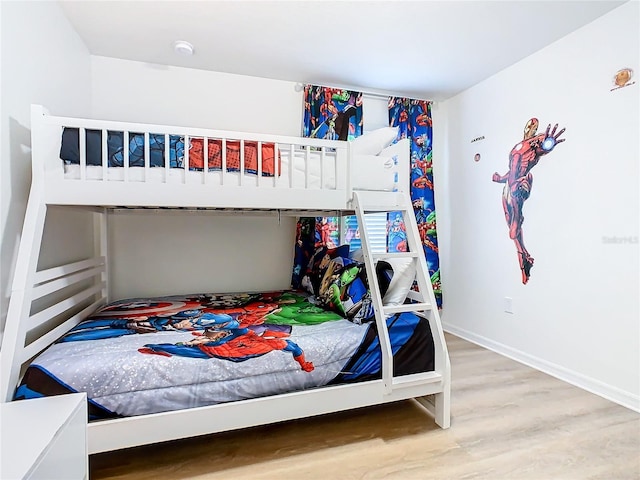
(508, 304)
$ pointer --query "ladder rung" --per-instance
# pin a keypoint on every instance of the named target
(383, 256)
(407, 307)
(416, 379)
(383, 208)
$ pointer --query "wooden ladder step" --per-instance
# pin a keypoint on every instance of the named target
(383, 208)
(407, 307)
(385, 256)
(416, 379)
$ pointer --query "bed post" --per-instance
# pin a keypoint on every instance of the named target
(13, 340)
(101, 247)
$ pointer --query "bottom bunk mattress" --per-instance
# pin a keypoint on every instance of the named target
(141, 356)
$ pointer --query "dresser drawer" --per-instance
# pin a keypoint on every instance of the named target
(45, 438)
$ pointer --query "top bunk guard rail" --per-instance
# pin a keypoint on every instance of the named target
(307, 173)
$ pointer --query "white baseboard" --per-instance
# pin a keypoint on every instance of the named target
(597, 387)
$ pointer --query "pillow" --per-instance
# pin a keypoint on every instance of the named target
(343, 288)
(399, 148)
(401, 153)
(384, 273)
(317, 265)
(402, 278)
(374, 172)
(373, 142)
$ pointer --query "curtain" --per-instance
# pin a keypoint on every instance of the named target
(331, 114)
(414, 119)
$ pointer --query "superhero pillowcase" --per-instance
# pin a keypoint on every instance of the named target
(339, 285)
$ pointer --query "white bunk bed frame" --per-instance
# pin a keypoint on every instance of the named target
(75, 290)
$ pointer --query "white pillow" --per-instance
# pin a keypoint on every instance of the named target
(399, 148)
(371, 143)
(400, 152)
(374, 172)
(404, 273)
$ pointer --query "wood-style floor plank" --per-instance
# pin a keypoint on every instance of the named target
(509, 422)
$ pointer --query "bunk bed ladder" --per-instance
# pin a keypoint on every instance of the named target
(421, 302)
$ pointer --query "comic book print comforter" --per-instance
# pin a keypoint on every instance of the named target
(142, 356)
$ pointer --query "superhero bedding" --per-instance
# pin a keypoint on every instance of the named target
(141, 356)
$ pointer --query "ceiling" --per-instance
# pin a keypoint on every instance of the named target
(421, 49)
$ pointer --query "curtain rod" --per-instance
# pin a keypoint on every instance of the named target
(376, 95)
(299, 87)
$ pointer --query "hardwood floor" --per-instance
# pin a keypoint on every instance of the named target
(508, 422)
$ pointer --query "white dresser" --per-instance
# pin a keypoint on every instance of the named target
(44, 438)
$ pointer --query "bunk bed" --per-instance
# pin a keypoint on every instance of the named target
(55, 312)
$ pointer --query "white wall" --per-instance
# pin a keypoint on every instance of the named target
(179, 253)
(141, 92)
(578, 317)
(217, 254)
(43, 61)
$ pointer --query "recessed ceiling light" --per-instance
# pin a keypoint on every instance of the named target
(183, 48)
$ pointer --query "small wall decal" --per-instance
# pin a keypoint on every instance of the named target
(476, 157)
(477, 139)
(622, 78)
(518, 182)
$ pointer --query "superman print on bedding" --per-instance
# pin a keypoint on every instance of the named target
(152, 355)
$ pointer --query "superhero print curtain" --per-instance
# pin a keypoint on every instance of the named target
(414, 119)
(332, 113)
